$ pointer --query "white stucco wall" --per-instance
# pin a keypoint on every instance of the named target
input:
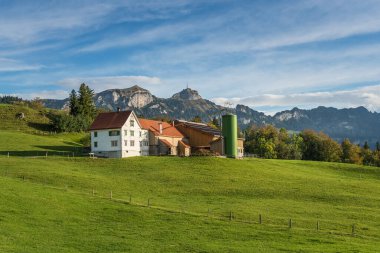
(104, 147)
(104, 142)
(137, 149)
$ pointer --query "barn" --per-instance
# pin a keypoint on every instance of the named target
(122, 134)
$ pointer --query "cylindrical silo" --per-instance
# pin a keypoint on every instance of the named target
(229, 131)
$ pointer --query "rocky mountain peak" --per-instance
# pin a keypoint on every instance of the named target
(133, 97)
(358, 124)
(294, 114)
(187, 94)
(135, 88)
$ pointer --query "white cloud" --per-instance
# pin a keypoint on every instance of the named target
(37, 21)
(110, 82)
(368, 97)
(241, 50)
(11, 65)
(55, 94)
(241, 30)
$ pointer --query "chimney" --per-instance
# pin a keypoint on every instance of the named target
(118, 109)
(160, 127)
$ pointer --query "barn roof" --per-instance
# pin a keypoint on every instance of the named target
(204, 128)
(110, 120)
(153, 125)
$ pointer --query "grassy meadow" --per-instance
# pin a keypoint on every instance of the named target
(60, 204)
(33, 122)
(34, 133)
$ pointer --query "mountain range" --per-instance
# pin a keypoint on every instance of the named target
(357, 124)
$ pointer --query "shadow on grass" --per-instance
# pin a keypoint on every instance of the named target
(41, 126)
(34, 153)
(60, 148)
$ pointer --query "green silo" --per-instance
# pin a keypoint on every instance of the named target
(229, 131)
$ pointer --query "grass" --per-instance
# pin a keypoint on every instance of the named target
(27, 136)
(34, 121)
(24, 144)
(191, 199)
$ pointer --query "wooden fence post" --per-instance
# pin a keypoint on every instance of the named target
(130, 199)
(290, 223)
(317, 225)
(353, 230)
(111, 195)
(230, 215)
(260, 219)
(148, 202)
(93, 192)
(8, 154)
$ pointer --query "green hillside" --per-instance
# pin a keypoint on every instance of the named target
(34, 121)
(34, 133)
(24, 144)
(47, 204)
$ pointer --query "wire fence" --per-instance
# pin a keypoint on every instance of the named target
(257, 219)
(45, 154)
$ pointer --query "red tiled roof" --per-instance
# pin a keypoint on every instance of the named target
(166, 143)
(110, 120)
(167, 129)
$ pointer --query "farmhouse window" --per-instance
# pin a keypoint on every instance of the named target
(132, 143)
(132, 122)
(132, 133)
(141, 144)
(140, 133)
(125, 143)
(114, 133)
(113, 143)
(95, 144)
(95, 134)
(125, 132)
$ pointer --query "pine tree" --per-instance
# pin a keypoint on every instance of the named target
(74, 106)
(366, 146)
(82, 111)
(378, 146)
(86, 104)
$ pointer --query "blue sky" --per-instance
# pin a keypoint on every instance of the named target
(269, 55)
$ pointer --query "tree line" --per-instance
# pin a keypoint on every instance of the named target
(35, 103)
(265, 142)
(82, 111)
(80, 116)
(270, 142)
(9, 99)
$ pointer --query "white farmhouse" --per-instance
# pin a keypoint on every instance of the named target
(118, 134)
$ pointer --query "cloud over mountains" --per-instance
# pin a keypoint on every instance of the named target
(262, 53)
